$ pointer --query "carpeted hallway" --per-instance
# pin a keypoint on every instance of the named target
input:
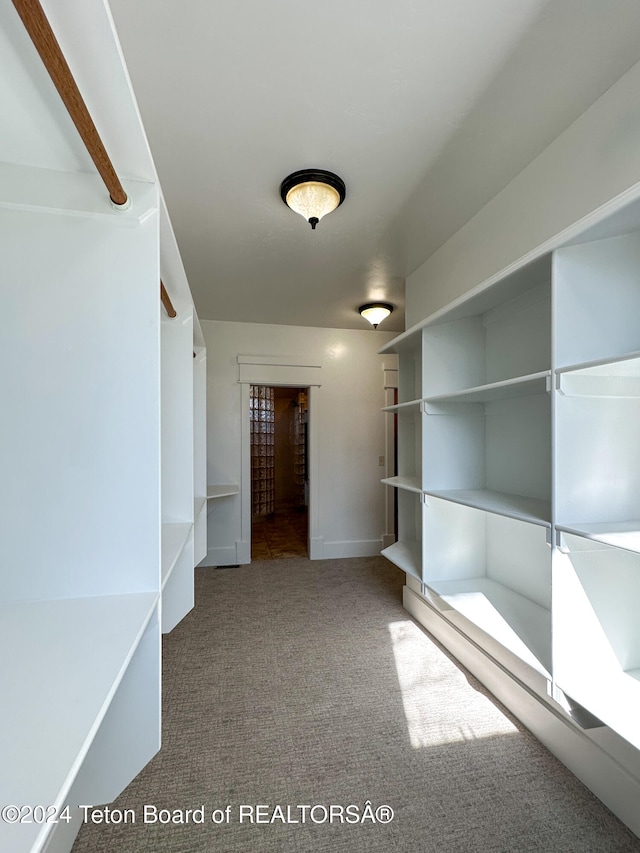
(298, 683)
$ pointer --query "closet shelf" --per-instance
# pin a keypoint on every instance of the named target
(621, 534)
(618, 377)
(174, 538)
(411, 484)
(523, 386)
(221, 491)
(407, 556)
(411, 406)
(403, 342)
(614, 366)
(63, 192)
(532, 510)
(65, 687)
(520, 625)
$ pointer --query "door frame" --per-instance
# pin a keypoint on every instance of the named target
(261, 370)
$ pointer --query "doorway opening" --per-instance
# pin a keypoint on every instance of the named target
(279, 472)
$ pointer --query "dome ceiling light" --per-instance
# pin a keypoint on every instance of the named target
(375, 312)
(313, 193)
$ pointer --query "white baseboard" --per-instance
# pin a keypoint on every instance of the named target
(352, 548)
(243, 552)
(602, 772)
(319, 550)
(388, 539)
(221, 557)
(316, 548)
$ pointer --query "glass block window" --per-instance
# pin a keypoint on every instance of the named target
(300, 451)
(262, 421)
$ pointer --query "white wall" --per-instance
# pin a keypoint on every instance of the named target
(596, 159)
(350, 431)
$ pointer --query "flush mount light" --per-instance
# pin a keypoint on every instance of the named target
(375, 312)
(313, 193)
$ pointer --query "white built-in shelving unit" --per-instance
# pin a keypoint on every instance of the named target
(177, 469)
(104, 485)
(597, 471)
(519, 477)
(474, 510)
(199, 445)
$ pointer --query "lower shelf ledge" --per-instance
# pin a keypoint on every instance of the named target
(620, 534)
(174, 538)
(519, 625)
(411, 484)
(518, 507)
(407, 556)
(63, 668)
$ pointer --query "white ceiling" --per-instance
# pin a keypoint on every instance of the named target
(426, 108)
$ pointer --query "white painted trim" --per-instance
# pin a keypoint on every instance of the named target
(352, 548)
(315, 549)
(390, 376)
(276, 370)
(273, 360)
(243, 552)
(313, 447)
(217, 556)
(245, 464)
(283, 375)
(388, 539)
(609, 780)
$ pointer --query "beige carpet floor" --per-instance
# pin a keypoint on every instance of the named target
(305, 684)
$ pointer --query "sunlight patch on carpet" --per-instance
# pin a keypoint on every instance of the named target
(439, 703)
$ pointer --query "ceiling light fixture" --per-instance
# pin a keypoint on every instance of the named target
(313, 193)
(375, 312)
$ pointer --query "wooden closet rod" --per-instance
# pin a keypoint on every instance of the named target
(166, 301)
(45, 42)
(42, 36)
